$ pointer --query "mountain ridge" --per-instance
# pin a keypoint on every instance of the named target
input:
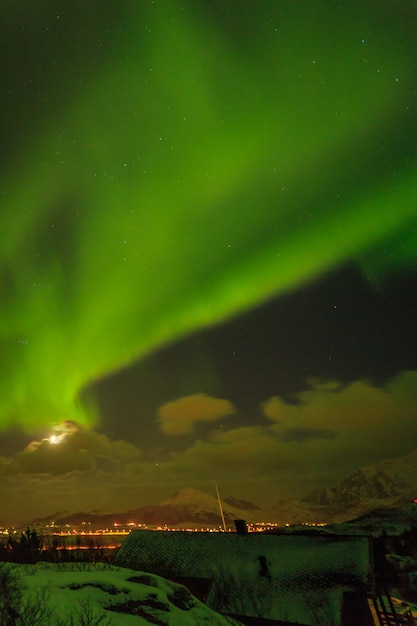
(392, 480)
(383, 485)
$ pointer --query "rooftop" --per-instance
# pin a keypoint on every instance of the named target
(281, 577)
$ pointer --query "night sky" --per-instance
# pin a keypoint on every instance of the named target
(208, 246)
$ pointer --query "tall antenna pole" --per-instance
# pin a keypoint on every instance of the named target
(221, 508)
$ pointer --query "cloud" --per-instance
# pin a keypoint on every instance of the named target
(73, 449)
(362, 418)
(67, 426)
(356, 424)
(180, 416)
(304, 434)
(45, 458)
(330, 431)
(327, 433)
(8, 466)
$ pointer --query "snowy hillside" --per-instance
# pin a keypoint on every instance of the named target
(241, 505)
(81, 593)
(188, 506)
(196, 502)
(391, 520)
(387, 483)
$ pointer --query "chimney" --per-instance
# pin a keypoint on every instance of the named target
(241, 527)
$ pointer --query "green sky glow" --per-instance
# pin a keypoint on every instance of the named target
(202, 166)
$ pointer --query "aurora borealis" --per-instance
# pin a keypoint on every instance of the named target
(167, 166)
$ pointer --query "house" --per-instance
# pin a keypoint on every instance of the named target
(263, 578)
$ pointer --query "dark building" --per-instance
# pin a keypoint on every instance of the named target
(263, 578)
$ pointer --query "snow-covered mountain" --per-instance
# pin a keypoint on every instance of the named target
(391, 520)
(383, 485)
(242, 505)
(187, 507)
(375, 486)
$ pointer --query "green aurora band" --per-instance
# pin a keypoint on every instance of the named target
(166, 167)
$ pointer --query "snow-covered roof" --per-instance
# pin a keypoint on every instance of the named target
(281, 577)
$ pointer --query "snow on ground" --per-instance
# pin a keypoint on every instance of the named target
(83, 589)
